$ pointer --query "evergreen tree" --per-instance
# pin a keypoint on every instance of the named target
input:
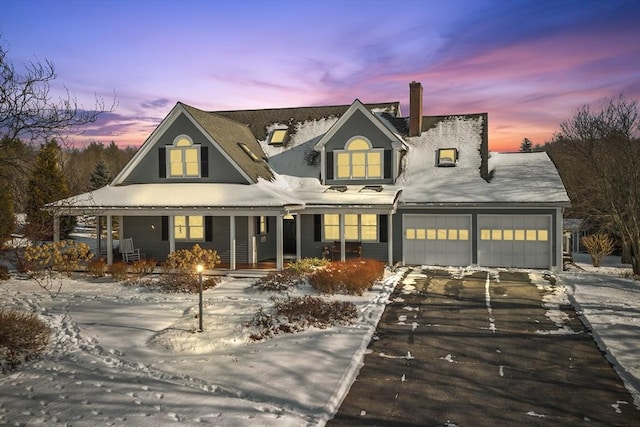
(526, 146)
(7, 218)
(47, 184)
(100, 176)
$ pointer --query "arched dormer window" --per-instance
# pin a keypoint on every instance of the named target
(358, 160)
(184, 158)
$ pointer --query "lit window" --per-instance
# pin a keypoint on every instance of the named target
(356, 227)
(411, 233)
(447, 157)
(188, 227)
(262, 225)
(543, 235)
(278, 136)
(331, 227)
(249, 152)
(184, 158)
(358, 160)
(420, 234)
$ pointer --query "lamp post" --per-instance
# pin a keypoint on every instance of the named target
(200, 269)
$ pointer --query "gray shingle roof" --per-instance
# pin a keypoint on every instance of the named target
(229, 134)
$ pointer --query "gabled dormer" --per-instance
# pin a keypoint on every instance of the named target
(359, 149)
(194, 146)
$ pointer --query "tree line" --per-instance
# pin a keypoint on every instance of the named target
(597, 153)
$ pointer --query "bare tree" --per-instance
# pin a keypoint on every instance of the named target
(28, 110)
(604, 146)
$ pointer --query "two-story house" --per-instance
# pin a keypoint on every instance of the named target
(282, 183)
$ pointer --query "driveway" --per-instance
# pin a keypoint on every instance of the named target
(480, 351)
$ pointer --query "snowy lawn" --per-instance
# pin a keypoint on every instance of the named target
(128, 354)
(610, 306)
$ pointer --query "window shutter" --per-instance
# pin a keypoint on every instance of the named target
(204, 162)
(387, 164)
(317, 228)
(383, 227)
(165, 229)
(208, 229)
(162, 162)
(329, 166)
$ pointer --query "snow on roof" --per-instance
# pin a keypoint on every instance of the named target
(262, 194)
(517, 178)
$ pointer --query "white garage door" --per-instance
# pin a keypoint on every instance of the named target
(514, 241)
(437, 239)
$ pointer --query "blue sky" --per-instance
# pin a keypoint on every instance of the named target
(529, 64)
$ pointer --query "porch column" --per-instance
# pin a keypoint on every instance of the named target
(56, 228)
(98, 235)
(390, 238)
(343, 245)
(172, 237)
(279, 244)
(558, 240)
(109, 241)
(298, 219)
(232, 242)
(251, 232)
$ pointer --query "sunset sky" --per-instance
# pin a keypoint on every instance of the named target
(529, 64)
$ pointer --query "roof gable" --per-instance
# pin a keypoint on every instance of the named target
(355, 107)
(223, 134)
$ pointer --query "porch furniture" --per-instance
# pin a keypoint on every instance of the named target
(350, 248)
(129, 253)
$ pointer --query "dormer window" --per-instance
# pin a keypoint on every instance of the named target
(184, 158)
(358, 160)
(447, 157)
(279, 136)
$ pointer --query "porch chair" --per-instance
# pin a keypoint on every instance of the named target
(129, 253)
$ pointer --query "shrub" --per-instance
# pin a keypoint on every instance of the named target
(598, 245)
(351, 277)
(119, 270)
(143, 266)
(297, 314)
(280, 280)
(64, 256)
(23, 336)
(4, 273)
(307, 265)
(179, 271)
(97, 267)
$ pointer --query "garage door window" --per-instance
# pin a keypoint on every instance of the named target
(436, 234)
(530, 235)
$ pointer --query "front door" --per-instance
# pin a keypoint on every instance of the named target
(289, 236)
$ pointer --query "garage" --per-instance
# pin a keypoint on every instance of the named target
(514, 241)
(437, 239)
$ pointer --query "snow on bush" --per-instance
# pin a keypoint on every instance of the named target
(23, 336)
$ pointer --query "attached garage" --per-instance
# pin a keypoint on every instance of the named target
(515, 241)
(437, 239)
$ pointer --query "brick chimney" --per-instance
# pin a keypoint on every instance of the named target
(415, 108)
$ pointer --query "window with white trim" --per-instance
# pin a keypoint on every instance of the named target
(188, 227)
(184, 158)
(358, 160)
(357, 227)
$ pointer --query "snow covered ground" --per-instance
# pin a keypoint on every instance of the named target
(126, 355)
(610, 306)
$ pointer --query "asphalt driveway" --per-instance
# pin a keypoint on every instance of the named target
(480, 351)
